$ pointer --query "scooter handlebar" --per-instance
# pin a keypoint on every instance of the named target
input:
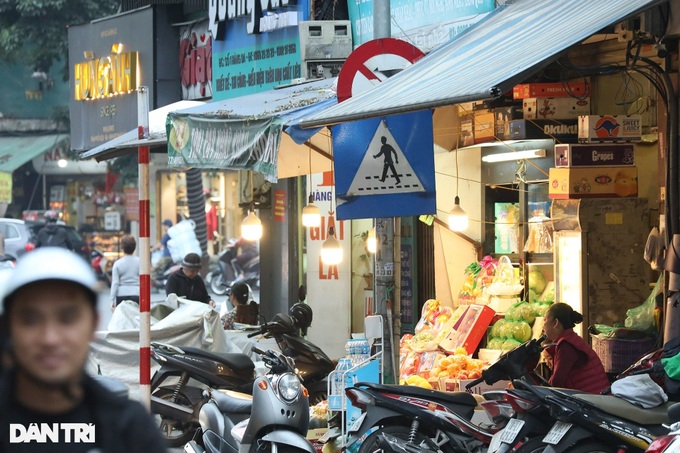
(473, 383)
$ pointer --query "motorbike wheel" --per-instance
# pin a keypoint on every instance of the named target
(175, 432)
(216, 285)
(422, 442)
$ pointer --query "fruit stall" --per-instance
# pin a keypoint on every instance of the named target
(451, 346)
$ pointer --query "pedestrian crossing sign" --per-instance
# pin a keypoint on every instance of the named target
(384, 167)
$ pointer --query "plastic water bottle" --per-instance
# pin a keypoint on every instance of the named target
(364, 350)
(338, 381)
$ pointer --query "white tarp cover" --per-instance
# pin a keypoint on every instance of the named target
(180, 322)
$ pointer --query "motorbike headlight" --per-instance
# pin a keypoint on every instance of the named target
(289, 387)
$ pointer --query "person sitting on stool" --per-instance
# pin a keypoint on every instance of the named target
(243, 312)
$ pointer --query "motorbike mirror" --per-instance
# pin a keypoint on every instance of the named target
(302, 293)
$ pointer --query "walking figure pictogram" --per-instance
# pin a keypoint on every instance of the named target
(387, 150)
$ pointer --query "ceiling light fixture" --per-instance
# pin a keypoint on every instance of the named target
(458, 218)
(251, 227)
(515, 155)
(311, 214)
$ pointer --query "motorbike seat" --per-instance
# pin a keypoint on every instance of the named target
(229, 402)
(240, 363)
(621, 408)
(459, 398)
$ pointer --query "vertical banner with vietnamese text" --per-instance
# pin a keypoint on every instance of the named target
(328, 286)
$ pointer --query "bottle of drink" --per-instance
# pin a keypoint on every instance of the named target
(364, 350)
(339, 379)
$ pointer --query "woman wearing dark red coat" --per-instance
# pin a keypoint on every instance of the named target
(574, 363)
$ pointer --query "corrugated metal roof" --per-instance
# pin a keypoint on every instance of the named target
(503, 49)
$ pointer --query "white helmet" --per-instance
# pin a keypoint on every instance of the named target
(50, 263)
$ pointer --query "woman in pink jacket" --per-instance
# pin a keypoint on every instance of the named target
(574, 363)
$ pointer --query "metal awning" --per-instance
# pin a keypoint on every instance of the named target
(128, 142)
(257, 132)
(507, 46)
(16, 151)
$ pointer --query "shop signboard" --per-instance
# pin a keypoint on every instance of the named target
(5, 187)
(425, 23)
(195, 60)
(132, 203)
(109, 59)
(328, 286)
(228, 143)
(57, 161)
(254, 48)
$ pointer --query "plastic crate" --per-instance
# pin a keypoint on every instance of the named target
(617, 354)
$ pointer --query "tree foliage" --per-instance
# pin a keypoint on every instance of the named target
(36, 31)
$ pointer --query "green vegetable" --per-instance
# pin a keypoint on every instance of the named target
(521, 331)
(537, 281)
(495, 343)
(510, 344)
(496, 328)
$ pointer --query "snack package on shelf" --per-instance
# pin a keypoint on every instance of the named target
(539, 239)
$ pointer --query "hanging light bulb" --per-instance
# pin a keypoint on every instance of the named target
(331, 250)
(251, 227)
(458, 219)
(311, 214)
(371, 241)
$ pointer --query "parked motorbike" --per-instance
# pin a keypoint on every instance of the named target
(276, 418)
(312, 363)
(159, 282)
(99, 263)
(602, 423)
(230, 272)
(671, 442)
(399, 418)
(178, 404)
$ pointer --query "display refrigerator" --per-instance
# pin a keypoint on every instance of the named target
(598, 257)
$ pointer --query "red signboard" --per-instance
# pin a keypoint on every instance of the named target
(279, 206)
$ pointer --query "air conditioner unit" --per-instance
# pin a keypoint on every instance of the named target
(325, 39)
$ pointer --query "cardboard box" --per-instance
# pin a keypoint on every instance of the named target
(470, 329)
(484, 126)
(455, 385)
(503, 116)
(550, 90)
(595, 155)
(467, 130)
(565, 131)
(555, 108)
(483, 387)
(591, 182)
(609, 128)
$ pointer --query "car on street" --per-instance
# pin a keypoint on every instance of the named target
(20, 237)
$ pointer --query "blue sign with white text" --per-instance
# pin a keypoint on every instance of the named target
(384, 167)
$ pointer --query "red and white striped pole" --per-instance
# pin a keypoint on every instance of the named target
(144, 251)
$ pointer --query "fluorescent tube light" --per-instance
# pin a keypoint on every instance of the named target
(514, 155)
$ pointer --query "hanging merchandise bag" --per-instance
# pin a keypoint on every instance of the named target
(642, 317)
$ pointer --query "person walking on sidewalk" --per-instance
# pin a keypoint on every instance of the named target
(125, 274)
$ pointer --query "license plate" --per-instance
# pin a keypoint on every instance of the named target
(357, 423)
(556, 433)
(509, 433)
(495, 442)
